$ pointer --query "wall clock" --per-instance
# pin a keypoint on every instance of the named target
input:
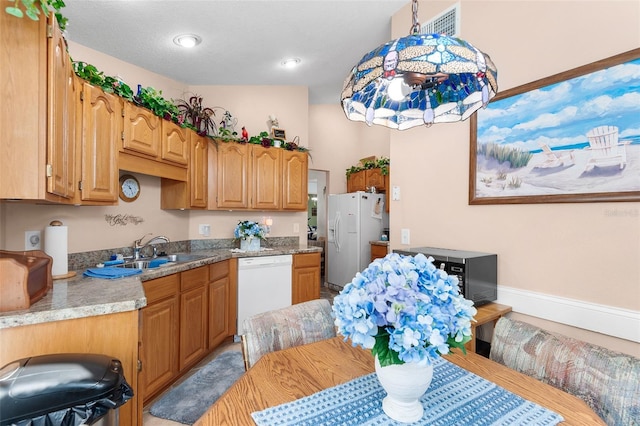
(129, 188)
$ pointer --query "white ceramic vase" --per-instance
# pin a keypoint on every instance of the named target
(250, 244)
(404, 384)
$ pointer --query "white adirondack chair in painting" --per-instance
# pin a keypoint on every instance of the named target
(605, 148)
(555, 158)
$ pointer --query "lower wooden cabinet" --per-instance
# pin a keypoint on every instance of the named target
(305, 282)
(378, 251)
(193, 316)
(187, 316)
(219, 286)
(159, 334)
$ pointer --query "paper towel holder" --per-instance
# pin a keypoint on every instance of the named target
(69, 274)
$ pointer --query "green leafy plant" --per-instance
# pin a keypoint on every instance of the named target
(382, 163)
(152, 99)
(109, 84)
(32, 9)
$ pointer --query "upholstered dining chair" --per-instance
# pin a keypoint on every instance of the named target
(283, 328)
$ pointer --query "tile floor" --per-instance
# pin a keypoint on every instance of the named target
(149, 420)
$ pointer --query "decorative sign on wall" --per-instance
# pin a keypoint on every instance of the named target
(571, 137)
(122, 219)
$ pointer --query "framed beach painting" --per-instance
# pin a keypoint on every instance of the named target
(571, 137)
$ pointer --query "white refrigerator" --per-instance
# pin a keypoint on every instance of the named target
(355, 219)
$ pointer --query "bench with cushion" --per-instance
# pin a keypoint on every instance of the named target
(608, 381)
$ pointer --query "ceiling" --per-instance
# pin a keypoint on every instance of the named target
(243, 42)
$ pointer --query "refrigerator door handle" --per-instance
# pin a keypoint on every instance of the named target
(336, 237)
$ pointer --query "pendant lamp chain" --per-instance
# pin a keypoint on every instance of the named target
(415, 28)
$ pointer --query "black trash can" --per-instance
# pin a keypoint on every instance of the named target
(62, 390)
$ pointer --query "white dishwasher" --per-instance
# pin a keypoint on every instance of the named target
(264, 284)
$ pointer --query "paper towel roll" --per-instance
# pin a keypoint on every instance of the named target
(55, 245)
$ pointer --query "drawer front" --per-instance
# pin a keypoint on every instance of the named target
(303, 260)
(194, 278)
(218, 270)
(161, 288)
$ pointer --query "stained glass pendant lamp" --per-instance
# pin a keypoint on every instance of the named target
(420, 79)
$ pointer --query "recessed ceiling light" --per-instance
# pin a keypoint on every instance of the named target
(187, 40)
(291, 62)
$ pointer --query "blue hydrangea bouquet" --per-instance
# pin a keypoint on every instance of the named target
(247, 230)
(405, 310)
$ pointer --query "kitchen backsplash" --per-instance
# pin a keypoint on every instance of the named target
(89, 259)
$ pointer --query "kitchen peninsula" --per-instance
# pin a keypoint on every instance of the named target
(91, 315)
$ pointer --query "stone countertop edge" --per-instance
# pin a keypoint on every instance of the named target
(379, 243)
(81, 296)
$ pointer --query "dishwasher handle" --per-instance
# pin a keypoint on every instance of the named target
(265, 261)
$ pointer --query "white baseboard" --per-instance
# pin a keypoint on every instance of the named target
(612, 321)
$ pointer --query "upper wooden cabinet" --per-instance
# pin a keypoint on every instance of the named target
(36, 112)
(254, 177)
(175, 143)
(364, 180)
(192, 193)
(229, 180)
(100, 125)
(61, 149)
(294, 180)
(266, 173)
(142, 132)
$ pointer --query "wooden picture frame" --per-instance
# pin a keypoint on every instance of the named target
(277, 133)
(572, 137)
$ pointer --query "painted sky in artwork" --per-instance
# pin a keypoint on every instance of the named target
(560, 115)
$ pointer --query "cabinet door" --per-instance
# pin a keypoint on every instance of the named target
(101, 129)
(142, 132)
(219, 288)
(159, 352)
(357, 182)
(306, 277)
(218, 317)
(376, 179)
(61, 176)
(378, 251)
(266, 178)
(232, 173)
(193, 326)
(294, 180)
(198, 171)
(175, 143)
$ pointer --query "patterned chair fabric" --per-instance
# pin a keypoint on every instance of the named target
(294, 325)
(608, 381)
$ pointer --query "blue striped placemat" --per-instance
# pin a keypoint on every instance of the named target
(455, 397)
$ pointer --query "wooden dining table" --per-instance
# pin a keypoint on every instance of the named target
(293, 373)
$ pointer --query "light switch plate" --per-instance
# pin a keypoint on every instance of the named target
(395, 193)
(405, 236)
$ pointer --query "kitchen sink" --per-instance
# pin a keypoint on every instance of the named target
(182, 257)
(150, 264)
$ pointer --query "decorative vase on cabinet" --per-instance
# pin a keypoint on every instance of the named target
(250, 244)
(405, 384)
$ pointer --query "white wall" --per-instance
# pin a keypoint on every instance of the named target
(580, 252)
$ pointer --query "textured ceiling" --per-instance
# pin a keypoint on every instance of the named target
(244, 42)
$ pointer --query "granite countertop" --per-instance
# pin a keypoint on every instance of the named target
(81, 296)
(379, 243)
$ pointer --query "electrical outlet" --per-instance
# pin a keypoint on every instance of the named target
(204, 230)
(32, 240)
(405, 236)
(296, 228)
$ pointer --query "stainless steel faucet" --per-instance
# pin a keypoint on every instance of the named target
(138, 246)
